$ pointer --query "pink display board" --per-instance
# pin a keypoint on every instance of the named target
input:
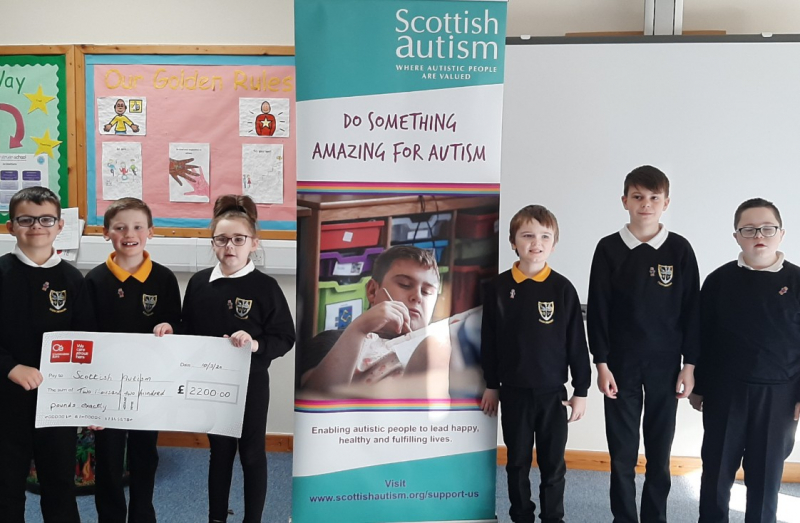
(191, 103)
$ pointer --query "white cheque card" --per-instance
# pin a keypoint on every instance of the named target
(139, 381)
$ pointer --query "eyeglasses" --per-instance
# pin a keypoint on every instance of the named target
(767, 231)
(222, 240)
(28, 221)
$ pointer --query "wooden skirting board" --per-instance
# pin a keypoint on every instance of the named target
(576, 459)
(272, 442)
(679, 466)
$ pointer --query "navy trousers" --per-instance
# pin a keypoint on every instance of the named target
(748, 425)
(541, 419)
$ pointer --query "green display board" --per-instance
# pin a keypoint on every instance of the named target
(33, 125)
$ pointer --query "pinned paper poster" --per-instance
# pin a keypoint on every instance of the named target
(70, 236)
(264, 117)
(189, 169)
(262, 172)
(122, 116)
(122, 170)
(18, 171)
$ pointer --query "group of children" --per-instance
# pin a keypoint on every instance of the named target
(732, 348)
(129, 293)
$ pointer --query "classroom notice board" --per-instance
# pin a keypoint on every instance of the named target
(178, 130)
(35, 122)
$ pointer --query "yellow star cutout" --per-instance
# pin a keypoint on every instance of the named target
(39, 100)
(265, 123)
(45, 144)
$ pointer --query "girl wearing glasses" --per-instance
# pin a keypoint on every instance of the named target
(236, 301)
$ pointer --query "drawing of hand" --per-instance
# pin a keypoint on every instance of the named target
(107, 127)
(134, 128)
(200, 186)
(179, 169)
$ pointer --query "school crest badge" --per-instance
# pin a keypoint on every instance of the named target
(243, 308)
(665, 275)
(58, 300)
(546, 311)
(149, 303)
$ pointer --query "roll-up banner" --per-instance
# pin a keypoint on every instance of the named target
(395, 98)
(399, 95)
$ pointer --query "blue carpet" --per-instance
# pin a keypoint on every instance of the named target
(180, 495)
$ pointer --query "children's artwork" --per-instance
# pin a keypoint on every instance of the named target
(189, 168)
(122, 116)
(262, 172)
(122, 170)
(193, 107)
(18, 171)
(264, 117)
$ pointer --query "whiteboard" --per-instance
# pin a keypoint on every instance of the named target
(721, 118)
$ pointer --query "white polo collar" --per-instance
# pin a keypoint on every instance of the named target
(216, 274)
(52, 261)
(655, 242)
(775, 267)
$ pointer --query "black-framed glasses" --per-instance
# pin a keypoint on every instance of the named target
(767, 231)
(222, 241)
(28, 221)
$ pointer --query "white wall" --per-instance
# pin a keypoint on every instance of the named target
(271, 22)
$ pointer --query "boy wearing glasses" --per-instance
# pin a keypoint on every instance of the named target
(130, 293)
(38, 293)
(748, 373)
(643, 318)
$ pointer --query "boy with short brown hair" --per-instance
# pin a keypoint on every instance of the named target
(402, 295)
(38, 293)
(748, 374)
(643, 319)
(531, 336)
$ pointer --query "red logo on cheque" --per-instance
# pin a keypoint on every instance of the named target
(60, 351)
(83, 352)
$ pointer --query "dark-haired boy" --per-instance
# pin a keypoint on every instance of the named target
(402, 295)
(131, 293)
(38, 293)
(643, 316)
(748, 375)
(532, 334)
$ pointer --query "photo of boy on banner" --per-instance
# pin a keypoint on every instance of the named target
(388, 350)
